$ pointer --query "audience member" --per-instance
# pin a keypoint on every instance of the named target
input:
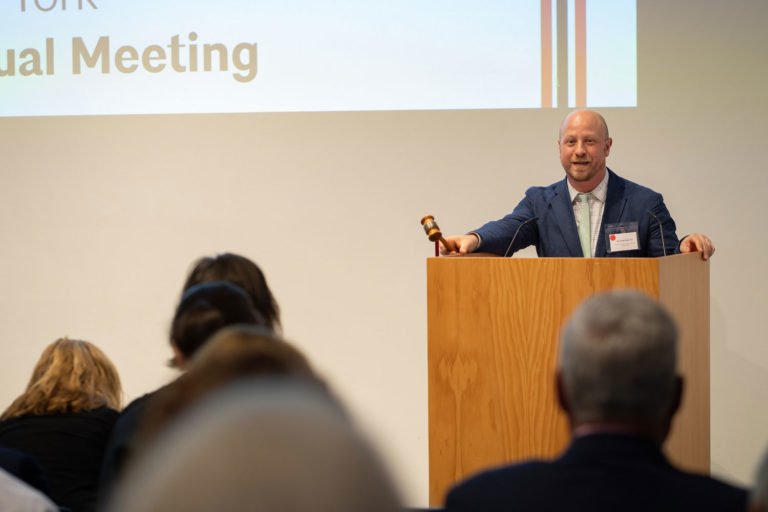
(64, 419)
(259, 445)
(616, 381)
(204, 309)
(242, 272)
(234, 353)
(17, 496)
(758, 499)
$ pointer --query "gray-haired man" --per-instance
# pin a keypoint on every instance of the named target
(618, 384)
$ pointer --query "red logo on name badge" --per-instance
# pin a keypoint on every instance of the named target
(613, 237)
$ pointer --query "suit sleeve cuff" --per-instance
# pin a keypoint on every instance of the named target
(479, 240)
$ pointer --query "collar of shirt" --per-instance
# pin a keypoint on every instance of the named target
(599, 192)
(605, 428)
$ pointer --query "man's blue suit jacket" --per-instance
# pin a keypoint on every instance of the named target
(555, 233)
(597, 473)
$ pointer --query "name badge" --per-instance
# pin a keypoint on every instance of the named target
(621, 237)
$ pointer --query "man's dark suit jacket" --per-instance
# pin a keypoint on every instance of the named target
(599, 472)
(555, 233)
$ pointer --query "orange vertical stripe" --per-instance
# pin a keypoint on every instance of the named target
(546, 53)
(580, 73)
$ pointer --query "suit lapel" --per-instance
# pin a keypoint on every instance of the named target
(562, 209)
(615, 200)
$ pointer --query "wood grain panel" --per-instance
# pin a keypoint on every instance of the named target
(685, 292)
(493, 326)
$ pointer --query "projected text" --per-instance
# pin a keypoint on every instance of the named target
(49, 5)
(177, 56)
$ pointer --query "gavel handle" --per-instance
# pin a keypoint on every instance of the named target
(449, 244)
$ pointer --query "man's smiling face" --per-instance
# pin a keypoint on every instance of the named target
(584, 144)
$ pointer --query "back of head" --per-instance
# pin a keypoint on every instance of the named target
(249, 350)
(617, 360)
(242, 272)
(233, 353)
(204, 309)
(259, 446)
(71, 376)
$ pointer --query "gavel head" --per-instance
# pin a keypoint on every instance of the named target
(431, 228)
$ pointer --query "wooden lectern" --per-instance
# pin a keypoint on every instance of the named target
(493, 328)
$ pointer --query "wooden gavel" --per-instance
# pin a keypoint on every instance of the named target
(433, 233)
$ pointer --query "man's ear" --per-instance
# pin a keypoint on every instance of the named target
(608, 144)
(665, 424)
(677, 399)
(561, 398)
(179, 360)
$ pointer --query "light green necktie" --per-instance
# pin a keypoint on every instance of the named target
(585, 226)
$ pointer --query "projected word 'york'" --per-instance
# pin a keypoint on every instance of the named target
(49, 5)
(176, 57)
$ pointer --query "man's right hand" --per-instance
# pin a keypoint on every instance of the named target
(464, 243)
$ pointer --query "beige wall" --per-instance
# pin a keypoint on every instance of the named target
(100, 218)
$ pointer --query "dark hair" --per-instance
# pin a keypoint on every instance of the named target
(232, 354)
(207, 307)
(242, 272)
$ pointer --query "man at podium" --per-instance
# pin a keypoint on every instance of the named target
(592, 212)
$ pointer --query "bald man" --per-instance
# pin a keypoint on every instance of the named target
(593, 212)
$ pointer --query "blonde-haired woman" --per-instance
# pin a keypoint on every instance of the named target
(65, 417)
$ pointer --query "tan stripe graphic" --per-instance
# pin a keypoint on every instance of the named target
(546, 53)
(580, 72)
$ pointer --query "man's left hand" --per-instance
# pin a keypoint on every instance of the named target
(698, 242)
